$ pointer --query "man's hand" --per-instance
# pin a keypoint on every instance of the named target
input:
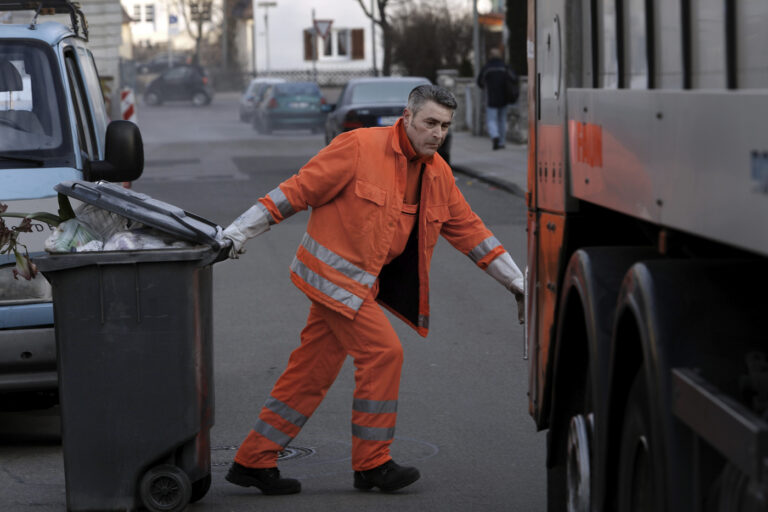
(520, 298)
(251, 223)
(238, 239)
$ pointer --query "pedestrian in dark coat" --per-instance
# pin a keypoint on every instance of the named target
(494, 79)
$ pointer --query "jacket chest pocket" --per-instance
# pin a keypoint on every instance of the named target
(436, 216)
(368, 202)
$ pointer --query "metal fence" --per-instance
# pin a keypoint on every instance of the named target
(323, 77)
(225, 80)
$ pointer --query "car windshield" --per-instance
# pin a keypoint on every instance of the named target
(297, 89)
(32, 111)
(383, 92)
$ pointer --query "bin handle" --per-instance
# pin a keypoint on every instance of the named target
(215, 244)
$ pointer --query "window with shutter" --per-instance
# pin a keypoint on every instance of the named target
(308, 34)
(358, 44)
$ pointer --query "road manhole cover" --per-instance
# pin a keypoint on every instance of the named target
(223, 455)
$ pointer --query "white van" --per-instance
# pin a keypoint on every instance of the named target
(53, 127)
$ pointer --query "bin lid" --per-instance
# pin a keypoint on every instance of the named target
(142, 208)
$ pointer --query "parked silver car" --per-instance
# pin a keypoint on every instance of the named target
(252, 96)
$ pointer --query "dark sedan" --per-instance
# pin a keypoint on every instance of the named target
(183, 83)
(366, 102)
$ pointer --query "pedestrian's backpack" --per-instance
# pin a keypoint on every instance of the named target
(512, 85)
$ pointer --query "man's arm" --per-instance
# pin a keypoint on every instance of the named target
(317, 183)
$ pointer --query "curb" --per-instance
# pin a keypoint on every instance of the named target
(497, 182)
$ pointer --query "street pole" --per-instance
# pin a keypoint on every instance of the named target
(253, 8)
(313, 36)
(476, 96)
(266, 6)
(373, 38)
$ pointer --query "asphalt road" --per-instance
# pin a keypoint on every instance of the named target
(463, 413)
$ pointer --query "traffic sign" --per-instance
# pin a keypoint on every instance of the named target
(323, 27)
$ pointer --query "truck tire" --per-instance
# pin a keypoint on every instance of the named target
(638, 455)
(579, 464)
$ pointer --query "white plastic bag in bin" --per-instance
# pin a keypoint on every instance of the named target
(70, 236)
(103, 222)
(142, 239)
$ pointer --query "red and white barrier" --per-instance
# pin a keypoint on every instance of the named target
(128, 104)
(128, 111)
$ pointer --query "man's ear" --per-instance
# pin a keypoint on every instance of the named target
(406, 116)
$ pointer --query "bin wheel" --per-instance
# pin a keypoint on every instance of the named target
(165, 488)
(200, 488)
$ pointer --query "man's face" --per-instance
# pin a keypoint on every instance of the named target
(428, 127)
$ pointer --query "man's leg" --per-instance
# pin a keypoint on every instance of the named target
(311, 370)
(502, 113)
(492, 123)
(378, 357)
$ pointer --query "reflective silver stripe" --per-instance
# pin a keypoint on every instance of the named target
(329, 257)
(423, 321)
(373, 433)
(271, 433)
(266, 213)
(326, 287)
(283, 206)
(285, 411)
(484, 248)
(374, 406)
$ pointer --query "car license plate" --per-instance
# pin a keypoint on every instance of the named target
(388, 120)
(298, 104)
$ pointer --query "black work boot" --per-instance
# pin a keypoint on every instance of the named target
(388, 477)
(266, 479)
(496, 143)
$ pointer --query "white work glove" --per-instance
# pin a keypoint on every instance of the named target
(504, 270)
(251, 223)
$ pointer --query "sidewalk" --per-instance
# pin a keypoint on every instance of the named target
(505, 168)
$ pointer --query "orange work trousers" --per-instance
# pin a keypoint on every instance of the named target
(326, 340)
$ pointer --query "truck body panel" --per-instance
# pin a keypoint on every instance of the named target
(648, 157)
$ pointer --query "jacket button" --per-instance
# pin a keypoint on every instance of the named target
(391, 224)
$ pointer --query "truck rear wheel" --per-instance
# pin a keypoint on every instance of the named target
(638, 462)
(578, 463)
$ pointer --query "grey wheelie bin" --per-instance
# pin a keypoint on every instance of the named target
(134, 340)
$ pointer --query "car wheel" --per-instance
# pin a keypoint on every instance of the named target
(152, 98)
(200, 99)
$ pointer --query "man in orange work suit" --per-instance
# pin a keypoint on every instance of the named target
(380, 197)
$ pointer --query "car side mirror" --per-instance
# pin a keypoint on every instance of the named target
(124, 154)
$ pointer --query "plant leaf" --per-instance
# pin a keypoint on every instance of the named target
(46, 217)
(65, 208)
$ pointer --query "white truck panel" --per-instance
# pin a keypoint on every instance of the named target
(708, 45)
(668, 45)
(696, 161)
(751, 44)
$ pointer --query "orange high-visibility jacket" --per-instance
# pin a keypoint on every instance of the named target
(355, 187)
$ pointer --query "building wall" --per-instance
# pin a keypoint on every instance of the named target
(151, 24)
(287, 22)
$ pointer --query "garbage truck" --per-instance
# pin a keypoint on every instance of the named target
(647, 270)
(53, 127)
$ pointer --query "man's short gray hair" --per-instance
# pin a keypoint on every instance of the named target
(428, 92)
